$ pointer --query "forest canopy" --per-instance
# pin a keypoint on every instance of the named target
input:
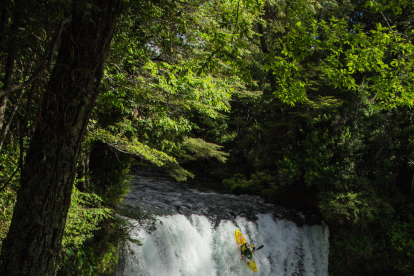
(306, 103)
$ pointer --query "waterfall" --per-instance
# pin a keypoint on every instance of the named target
(190, 246)
(198, 245)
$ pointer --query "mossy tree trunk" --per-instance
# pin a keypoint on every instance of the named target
(34, 239)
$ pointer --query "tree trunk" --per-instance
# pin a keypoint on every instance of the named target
(83, 170)
(5, 129)
(272, 79)
(34, 240)
(11, 53)
(3, 105)
(4, 18)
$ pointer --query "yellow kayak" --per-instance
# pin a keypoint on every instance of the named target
(251, 263)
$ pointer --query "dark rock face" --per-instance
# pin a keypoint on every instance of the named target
(163, 196)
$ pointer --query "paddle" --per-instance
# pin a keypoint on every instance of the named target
(260, 247)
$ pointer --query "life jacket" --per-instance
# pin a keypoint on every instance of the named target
(245, 251)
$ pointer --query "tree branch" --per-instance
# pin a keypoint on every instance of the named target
(10, 179)
(5, 129)
(41, 68)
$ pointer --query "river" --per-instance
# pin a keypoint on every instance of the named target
(195, 228)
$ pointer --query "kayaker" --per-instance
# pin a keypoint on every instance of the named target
(246, 252)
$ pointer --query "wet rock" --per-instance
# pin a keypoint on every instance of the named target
(164, 196)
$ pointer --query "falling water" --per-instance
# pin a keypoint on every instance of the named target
(195, 235)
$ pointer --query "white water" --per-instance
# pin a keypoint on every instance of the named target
(190, 246)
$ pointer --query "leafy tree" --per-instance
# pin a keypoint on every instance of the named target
(34, 239)
(335, 138)
(159, 92)
(180, 85)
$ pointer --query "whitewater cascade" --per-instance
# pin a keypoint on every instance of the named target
(199, 242)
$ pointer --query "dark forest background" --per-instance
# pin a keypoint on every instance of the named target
(305, 103)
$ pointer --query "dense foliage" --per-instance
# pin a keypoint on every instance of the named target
(337, 139)
(308, 103)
